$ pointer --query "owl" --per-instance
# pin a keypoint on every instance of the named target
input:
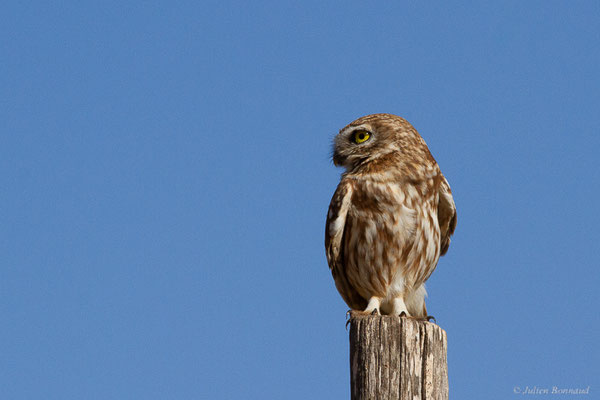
(390, 218)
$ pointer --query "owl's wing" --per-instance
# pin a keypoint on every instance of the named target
(336, 222)
(446, 216)
(335, 230)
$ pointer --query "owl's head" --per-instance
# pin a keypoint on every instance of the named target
(375, 136)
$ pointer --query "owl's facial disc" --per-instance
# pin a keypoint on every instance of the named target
(351, 146)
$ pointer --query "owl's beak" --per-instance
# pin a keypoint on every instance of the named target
(338, 160)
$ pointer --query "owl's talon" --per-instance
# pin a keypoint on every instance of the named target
(403, 315)
(430, 318)
(348, 318)
(375, 312)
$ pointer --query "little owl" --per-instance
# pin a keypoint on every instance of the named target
(390, 218)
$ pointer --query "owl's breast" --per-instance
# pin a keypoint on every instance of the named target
(384, 238)
(384, 211)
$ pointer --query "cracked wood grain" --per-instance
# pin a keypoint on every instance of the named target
(397, 358)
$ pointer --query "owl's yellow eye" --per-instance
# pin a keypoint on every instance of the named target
(361, 136)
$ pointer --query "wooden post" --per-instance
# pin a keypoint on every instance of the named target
(397, 358)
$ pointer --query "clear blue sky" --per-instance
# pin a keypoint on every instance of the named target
(166, 176)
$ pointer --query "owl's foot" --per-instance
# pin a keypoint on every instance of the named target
(399, 308)
(359, 313)
(373, 306)
(428, 318)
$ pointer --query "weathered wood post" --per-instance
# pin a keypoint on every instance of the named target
(397, 358)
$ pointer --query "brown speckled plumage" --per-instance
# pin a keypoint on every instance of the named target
(390, 218)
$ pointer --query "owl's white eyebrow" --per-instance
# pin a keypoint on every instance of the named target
(355, 128)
